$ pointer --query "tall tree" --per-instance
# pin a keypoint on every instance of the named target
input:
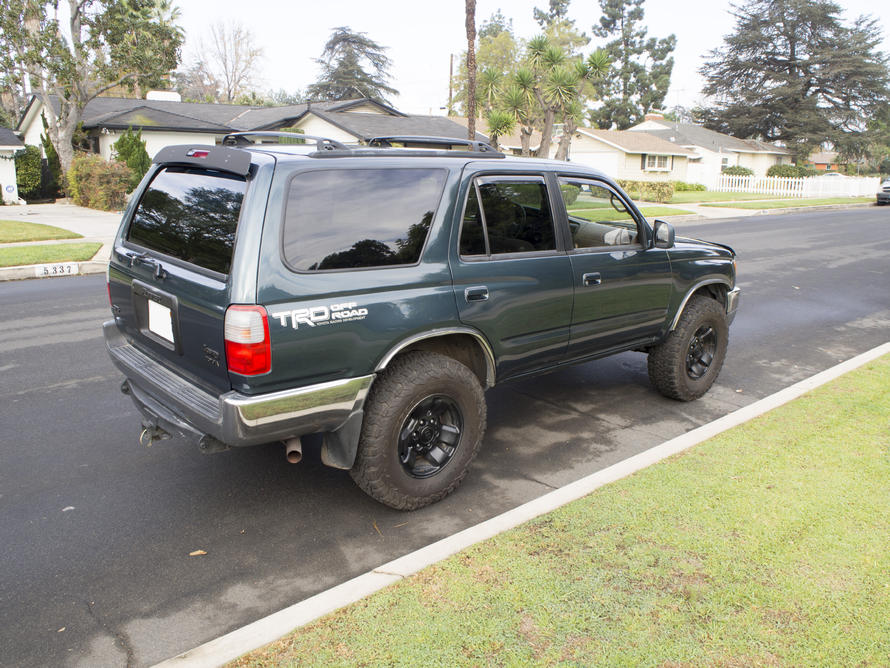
(470, 24)
(558, 10)
(233, 59)
(104, 44)
(792, 71)
(352, 65)
(496, 52)
(641, 72)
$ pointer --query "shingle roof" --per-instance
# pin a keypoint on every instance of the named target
(8, 138)
(636, 141)
(169, 115)
(367, 126)
(688, 134)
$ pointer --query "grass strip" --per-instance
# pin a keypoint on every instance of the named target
(14, 230)
(789, 203)
(610, 214)
(693, 196)
(767, 545)
(13, 256)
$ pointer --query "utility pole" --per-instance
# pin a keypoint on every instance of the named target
(450, 84)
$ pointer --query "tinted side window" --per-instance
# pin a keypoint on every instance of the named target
(352, 218)
(190, 214)
(597, 217)
(516, 215)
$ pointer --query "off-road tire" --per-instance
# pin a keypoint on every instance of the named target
(410, 378)
(668, 361)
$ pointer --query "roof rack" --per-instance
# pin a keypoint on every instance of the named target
(472, 145)
(321, 143)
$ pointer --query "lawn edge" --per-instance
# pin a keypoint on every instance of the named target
(268, 629)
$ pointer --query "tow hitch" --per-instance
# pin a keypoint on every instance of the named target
(151, 433)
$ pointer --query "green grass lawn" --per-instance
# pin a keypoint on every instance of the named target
(690, 197)
(788, 203)
(13, 230)
(608, 213)
(13, 256)
(767, 545)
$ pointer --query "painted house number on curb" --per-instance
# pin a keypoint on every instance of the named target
(321, 315)
(58, 269)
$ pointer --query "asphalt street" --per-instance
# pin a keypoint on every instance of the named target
(96, 530)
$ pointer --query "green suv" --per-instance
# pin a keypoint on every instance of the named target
(263, 292)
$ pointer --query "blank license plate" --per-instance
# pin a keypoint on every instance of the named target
(160, 320)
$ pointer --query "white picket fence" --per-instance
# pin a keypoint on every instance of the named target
(813, 186)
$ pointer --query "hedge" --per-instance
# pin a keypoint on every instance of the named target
(97, 184)
(649, 191)
(793, 171)
(130, 149)
(682, 186)
(737, 170)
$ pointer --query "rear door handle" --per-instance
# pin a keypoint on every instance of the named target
(476, 294)
(591, 279)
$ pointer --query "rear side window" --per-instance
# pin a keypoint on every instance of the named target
(357, 218)
(191, 215)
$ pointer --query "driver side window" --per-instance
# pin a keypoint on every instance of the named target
(597, 216)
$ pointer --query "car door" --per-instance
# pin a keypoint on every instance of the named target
(621, 282)
(512, 277)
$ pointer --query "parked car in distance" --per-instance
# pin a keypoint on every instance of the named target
(369, 295)
(884, 193)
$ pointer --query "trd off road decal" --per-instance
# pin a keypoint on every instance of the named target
(321, 315)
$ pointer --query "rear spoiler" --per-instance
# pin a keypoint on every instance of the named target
(221, 158)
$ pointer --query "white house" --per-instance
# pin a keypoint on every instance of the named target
(164, 122)
(9, 146)
(712, 151)
(636, 156)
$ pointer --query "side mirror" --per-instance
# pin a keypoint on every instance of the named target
(664, 234)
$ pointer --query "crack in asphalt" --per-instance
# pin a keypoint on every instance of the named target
(120, 636)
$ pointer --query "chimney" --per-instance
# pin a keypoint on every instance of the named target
(654, 116)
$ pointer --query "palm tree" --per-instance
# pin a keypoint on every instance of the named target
(499, 123)
(565, 88)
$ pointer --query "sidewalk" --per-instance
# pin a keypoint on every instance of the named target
(96, 226)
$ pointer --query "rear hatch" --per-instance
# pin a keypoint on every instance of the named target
(170, 272)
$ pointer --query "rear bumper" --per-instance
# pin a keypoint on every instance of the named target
(179, 406)
(884, 198)
(732, 304)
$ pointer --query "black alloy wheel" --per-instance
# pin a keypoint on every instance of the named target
(430, 436)
(701, 351)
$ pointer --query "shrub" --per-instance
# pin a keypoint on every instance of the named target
(792, 171)
(649, 191)
(130, 149)
(569, 193)
(97, 184)
(682, 186)
(736, 170)
(27, 172)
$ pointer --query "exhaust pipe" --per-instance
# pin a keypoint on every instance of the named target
(293, 450)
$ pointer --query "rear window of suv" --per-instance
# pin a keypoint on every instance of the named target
(191, 215)
(359, 218)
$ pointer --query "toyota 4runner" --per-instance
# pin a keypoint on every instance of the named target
(263, 292)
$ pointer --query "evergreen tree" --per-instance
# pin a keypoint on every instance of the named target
(641, 66)
(130, 149)
(352, 66)
(793, 72)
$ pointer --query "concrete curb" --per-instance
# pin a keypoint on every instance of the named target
(266, 630)
(84, 268)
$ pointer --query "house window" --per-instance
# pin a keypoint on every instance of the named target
(724, 162)
(657, 162)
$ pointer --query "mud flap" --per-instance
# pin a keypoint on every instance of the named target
(339, 447)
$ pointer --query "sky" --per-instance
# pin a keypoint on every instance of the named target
(420, 35)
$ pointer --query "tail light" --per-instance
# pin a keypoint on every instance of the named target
(248, 349)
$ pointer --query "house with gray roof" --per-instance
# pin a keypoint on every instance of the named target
(165, 122)
(9, 146)
(712, 151)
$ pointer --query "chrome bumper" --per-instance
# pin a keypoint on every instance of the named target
(732, 304)
(170, 401)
